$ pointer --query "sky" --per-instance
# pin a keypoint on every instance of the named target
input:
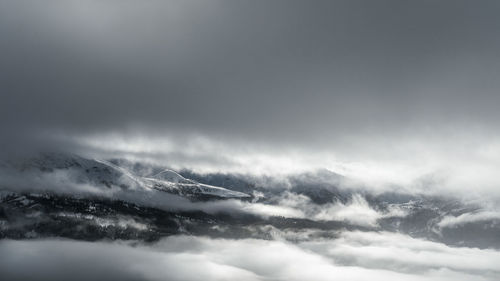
(388, 92)
(394, 95)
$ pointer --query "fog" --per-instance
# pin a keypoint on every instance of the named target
(353, 98)
(354, 256)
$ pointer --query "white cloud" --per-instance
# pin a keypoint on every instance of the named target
(402, 253)
(454, 221)
(290, 205)
(357, 211)
(411, 163)
(353, 257)
(66, 182)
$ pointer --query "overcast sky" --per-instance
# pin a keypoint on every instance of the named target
(386, 87)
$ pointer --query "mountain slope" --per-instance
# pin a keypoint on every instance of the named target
(104, 174)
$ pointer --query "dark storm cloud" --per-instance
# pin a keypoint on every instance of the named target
(265, 70)
(396, 91)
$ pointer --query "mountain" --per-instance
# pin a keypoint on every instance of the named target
(66, 195)
(102, 173)
(170, 181)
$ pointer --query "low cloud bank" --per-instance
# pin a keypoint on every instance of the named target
(353, 256)
(356, 211)
(413, 164)
(286, 204)
(65, 182)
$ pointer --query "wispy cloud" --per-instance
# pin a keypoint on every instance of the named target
(470, 217)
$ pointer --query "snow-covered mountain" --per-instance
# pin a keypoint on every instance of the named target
(114, 200)
(102, 173)
(170, 181)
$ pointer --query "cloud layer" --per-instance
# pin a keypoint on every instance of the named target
(342, 68)
(354, 256)
(373, 91)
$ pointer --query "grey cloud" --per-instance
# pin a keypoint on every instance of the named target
(296, 71)
(405, 254)
(192, 258)
(84, 261)
(388, 91)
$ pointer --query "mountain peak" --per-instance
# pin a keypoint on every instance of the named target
(170, 176)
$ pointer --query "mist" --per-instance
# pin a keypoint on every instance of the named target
(249, 140)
